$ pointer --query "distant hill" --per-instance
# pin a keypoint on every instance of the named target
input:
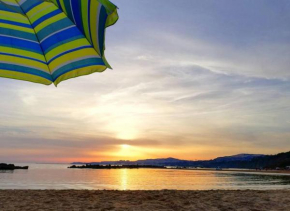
(225, 162)
(281, 160)
(239, 157)
(156, 162)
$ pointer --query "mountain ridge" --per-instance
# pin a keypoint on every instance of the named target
(173, 161)
(243, 161)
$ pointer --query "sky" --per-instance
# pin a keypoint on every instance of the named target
(191, 79)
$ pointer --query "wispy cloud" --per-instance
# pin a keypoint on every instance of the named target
(190, 84)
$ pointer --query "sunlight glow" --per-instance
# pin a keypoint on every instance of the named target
(127, 134)
(125, 146)
(124, 179)
(126, 151)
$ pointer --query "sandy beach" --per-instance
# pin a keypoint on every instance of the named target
(144, 200)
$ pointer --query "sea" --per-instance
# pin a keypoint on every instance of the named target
(58, 176)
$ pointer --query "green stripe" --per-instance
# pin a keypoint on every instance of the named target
(17, 33)
(52, 33)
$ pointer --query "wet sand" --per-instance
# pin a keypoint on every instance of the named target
(212, 200)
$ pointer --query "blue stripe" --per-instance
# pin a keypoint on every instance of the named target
(102, 25)
(67, 5)
(27, 6)
(15, 23)
(63, 42)
(56, 26)
(20, 44)
(59, 37)
(69, 51)
(76, 7)
(59, 5)
(76, 65)
(89, 19)
(45, 17)
(24, 57)
(14, 9)
(22, 69)
(17, 33)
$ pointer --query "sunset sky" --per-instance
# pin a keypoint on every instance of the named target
(191, 79)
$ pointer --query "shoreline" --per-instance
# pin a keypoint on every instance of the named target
(240, 170)
(209, 200)
(285, 172)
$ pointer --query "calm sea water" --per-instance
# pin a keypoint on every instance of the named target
(56, 176)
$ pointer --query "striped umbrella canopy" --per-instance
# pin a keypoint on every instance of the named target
(48, 41)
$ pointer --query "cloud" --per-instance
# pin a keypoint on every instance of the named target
(190, 106)
(188, 81)
(248, 38)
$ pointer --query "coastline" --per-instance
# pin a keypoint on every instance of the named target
(270, 171)
(144, 200)
(240, 170)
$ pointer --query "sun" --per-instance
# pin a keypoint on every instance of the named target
(125, 146)
(126, 150)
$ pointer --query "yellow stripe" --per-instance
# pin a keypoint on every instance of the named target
(35, 14)
(24, 77)
(9, 1)
(63, 7)
(19, 28)
(67, 46)
(24, 62)
(20, 52)
(80, 72)
(48, 8)
(72, 56)
(49, 21)
(13, 17)
(85, 19)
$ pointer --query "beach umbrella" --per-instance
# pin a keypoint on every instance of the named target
(48, 41)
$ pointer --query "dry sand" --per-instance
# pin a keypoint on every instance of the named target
(144, 200)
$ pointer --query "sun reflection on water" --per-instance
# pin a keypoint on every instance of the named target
(124, 179)
(44, 176)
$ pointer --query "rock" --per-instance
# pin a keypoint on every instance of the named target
(4, 166)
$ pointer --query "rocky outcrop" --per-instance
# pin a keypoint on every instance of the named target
(4, 166)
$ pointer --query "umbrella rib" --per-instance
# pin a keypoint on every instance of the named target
(10, 7)
(36, 38)
(74, 23)
(90, 41)
(108, 6)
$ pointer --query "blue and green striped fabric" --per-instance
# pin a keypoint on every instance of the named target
(51, 41)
